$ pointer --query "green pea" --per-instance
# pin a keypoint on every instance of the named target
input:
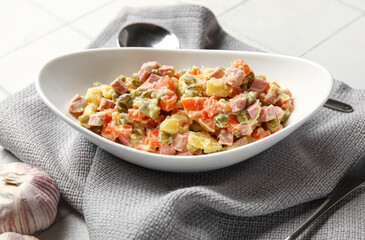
(135, 80)
(122, 78)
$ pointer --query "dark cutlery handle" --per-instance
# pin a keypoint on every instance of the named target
(339, 106)
(354, 178)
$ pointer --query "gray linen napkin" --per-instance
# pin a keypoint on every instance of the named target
(265, 197)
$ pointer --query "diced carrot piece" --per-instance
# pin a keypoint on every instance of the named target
(235, 92)
(193, 103)
(167, 83)
(126, 129)
(288, 105)
(110, 132)
(195, 71)
(260, 133)
(108, 115)
(136, 116)
(233, 125)
(242, 65)
(211, 106)
(168, 102)
(152, 139)
(208, 124)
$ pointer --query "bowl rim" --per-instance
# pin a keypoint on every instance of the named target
(206, 157)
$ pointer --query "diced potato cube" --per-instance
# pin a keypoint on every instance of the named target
(94, 95)
(107, 91)
(218, 88)
(203, 141)
(90, 109)
(84, 118)
(170, 126)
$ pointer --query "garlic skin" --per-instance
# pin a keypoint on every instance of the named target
(28, 198)
(16, 236)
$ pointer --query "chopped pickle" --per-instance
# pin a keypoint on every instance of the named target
(251, 98)
(165, 138)
(221, 120)
(286, 116)
(243, 116)
(273, 125)
(196, 127)
(122, 118)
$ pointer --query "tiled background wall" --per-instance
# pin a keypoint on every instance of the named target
(330, 32)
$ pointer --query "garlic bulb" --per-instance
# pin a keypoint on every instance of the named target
(28, 198)
(16, 236)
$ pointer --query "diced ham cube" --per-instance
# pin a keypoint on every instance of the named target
(270, 113)
(240, 142)
(253, 109)
(149, 83)
(187, 153)
(238, 104)
(180, 141)
(246, 129)
(126, 140)
(153, 78)
(106, 104)
(234, 77)
(119, 86)
(259, 85)
(97, 119)
(146, 70)
(167, 150)
(216, 73)
(225, 137)
(77, 104)
(166, 70)
(273, 94)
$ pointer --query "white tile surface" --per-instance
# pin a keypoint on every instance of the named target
(359, 4)
(69, 10)
(286, 26)
(217, 7)
(93, 23)
(344, 54)
(71, 227)
(21, 22)
(24, 64)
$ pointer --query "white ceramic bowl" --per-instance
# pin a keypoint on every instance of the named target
(63, 77)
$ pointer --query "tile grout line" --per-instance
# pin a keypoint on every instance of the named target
(64, 24)
(333, 34)
(56, 222)
(232, 7)
(351, 6)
